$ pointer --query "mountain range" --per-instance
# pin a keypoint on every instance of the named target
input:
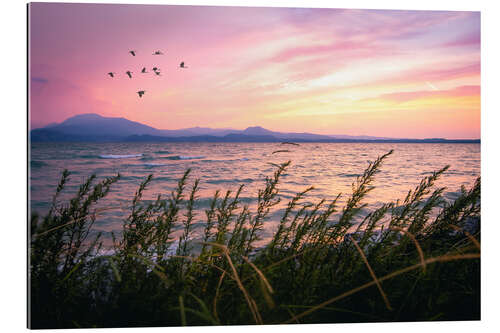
(91, 127)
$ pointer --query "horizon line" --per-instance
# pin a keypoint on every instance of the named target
(381, 137)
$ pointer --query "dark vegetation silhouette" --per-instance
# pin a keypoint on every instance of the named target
(280, 151)
(410, 260)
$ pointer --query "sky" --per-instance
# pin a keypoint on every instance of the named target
(390, 73)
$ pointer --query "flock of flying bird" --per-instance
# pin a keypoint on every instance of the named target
(156, 70)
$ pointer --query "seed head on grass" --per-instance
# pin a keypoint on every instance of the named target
(310, 262)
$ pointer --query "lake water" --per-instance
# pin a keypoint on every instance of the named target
(329, 167)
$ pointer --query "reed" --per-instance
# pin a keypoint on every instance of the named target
(424, 249)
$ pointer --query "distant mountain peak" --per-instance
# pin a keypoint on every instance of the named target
(257, 130)
(82, 118)
(92, 127)
(86, 116)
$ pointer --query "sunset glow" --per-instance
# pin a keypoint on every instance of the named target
(406, 74)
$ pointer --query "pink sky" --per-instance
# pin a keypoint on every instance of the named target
(359, 72)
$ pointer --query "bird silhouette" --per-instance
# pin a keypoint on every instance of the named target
(280, 151)
(157, 73)
(141, 92)
(143, 70)
(155, 69)
(182, 65)
(111, 74)
(157, 53)
(132, 52)
(129, 73)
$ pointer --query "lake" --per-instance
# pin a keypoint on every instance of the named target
(330, 167)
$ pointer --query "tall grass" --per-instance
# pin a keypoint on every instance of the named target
(413, 260)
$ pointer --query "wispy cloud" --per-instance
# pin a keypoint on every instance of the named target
(471, 39)
(284, 68)
(401, 97)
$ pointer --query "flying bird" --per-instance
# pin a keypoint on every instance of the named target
(143, 70)
(158, 73)
(111, 74)
(132, 52)
(182, 65)
(155, 69)
(157, 53)
(141, 92)
(280, 151)
(129, 73)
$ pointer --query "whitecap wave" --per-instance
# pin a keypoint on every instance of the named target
(181, 157)
(190, 157)
(120, 156)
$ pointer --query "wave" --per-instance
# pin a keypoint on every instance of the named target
(204, 202)
(235, 181)
(230, 160)
(87, 156)
(162, 152)
(180, 157)
(191, 157)
(120, 156)
(37, 164)
(132, 177)
(349, 175)
(154, 164)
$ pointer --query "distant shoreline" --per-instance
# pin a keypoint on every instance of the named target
(53, 136)
(141, 139)
(96, 128)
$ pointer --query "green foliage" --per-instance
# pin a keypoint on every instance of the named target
(420, 255)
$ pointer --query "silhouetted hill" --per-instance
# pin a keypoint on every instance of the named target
(50, 135)
(92, 124)
(257, 130)
(270, 138)
(203, 138)
(92, 127)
